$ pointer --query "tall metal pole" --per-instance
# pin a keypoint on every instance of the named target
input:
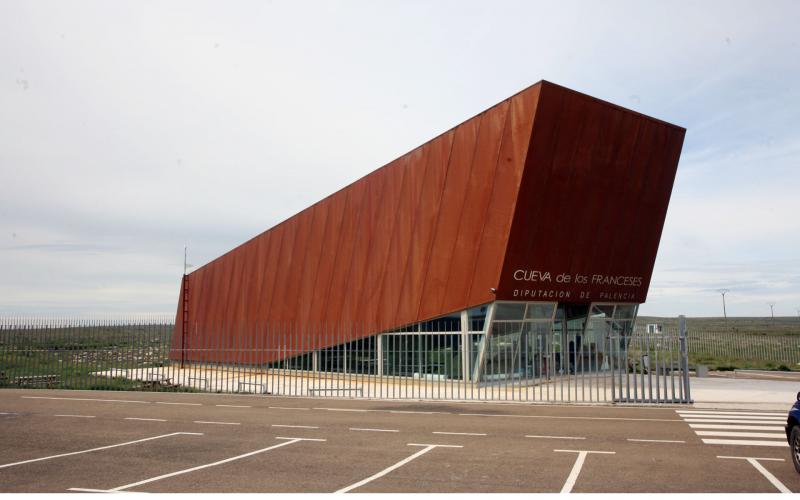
(723, 291)
(684, 347)
(185, 309)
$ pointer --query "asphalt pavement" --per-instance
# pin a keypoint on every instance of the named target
(61, 441)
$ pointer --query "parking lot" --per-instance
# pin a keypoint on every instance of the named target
(60, 441)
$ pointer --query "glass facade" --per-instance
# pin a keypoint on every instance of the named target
(430, 356)
(499, 342)
(508, 341)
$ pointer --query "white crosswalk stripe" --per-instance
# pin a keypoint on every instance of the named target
(730, 421)
(741, 428)
(731, 417)
(746, 414)
(776, 428)
(769, 435)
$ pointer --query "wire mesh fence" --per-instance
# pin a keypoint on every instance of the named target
(508, 362)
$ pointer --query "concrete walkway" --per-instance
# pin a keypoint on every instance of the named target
(741, 393)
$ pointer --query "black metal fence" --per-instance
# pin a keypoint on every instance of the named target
(81, 354)
(508, 364)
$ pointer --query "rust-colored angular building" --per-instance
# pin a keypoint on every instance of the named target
(532, 227)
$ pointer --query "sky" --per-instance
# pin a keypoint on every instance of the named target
(131, 128)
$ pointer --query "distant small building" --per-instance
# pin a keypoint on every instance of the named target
(655, 328)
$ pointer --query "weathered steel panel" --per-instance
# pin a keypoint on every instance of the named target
(313, 252)
(331, 240)
(410, 292)
(334, 297)
(367, 231)
(267, 294)
(297, 265)
(375, 268)
(284, 273)
(400, 242)
(549, 182)
(575, 142)
(473, 212)
(494, 237)
(455, 188)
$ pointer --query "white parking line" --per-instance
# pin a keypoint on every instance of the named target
(102, 448)
(420, 412)
(747, 442)
(555, 437)
(234, 406)
(286, 408)
(178, 404)
(7, 413)
(216, 423)
(358, 410)
(655, 441)
(76, 416)
(296, 426)
(428, 447)
(146, 419)
(764, 472)
(576, 469)
(200, 467)
(373, 430)
(460, 433)
(86, 399)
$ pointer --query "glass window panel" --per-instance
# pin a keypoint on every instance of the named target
(509, 312)
(603, 311)
(504, 345)
(476, 343)
(539, 311)
(436, 357)
(448, 323)
(625, 311)
(477, 318)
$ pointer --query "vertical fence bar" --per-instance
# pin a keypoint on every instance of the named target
(76, 351)
(222, 359)
(684, 359)
(13, 348)
(211, 370)
(90, 332)
(285, 387)
(326, 355)
(27, 360)
(86, 340)
(219, 356)
(219, 362)
(341, 333)
(348, 361)
(294, 356)
(18, 361)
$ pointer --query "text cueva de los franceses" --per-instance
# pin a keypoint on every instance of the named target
(534, 275)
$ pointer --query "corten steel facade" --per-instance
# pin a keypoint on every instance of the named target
(549, 196)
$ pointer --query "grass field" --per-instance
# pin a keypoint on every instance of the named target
(74, 354)
(781, 325)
